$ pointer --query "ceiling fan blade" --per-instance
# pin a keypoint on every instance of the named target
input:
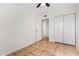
(47, 4)
(38, 5)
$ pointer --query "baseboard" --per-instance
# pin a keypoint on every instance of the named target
(51, 40)
(77, 48)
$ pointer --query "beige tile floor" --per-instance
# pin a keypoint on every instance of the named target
(46, 48)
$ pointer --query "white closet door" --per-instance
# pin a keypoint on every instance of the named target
(59, 29)
(69, 29)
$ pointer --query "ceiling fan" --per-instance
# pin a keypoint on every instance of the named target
(43, 4)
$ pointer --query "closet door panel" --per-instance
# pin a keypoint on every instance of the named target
(59, 29)
(69, 29)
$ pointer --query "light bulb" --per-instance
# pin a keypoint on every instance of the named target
(42, 4)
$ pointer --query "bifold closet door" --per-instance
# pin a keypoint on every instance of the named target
(58, 29)
(69, 29)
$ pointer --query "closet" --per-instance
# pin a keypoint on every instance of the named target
(65, 29)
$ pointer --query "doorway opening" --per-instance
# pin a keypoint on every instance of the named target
(45, 28)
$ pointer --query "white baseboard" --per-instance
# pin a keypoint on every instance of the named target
(77, 48)
(51, 40)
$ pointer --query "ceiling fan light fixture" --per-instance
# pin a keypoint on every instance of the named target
(42, 5)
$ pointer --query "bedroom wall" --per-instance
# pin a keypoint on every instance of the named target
(77, 26)
(17, 27)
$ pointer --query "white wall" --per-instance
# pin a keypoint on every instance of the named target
(38, 28)
(77, 26)
(17, 27)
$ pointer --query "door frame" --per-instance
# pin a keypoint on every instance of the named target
(45, 20)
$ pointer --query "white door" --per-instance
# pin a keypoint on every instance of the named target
(59, 29)
(69, 29)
